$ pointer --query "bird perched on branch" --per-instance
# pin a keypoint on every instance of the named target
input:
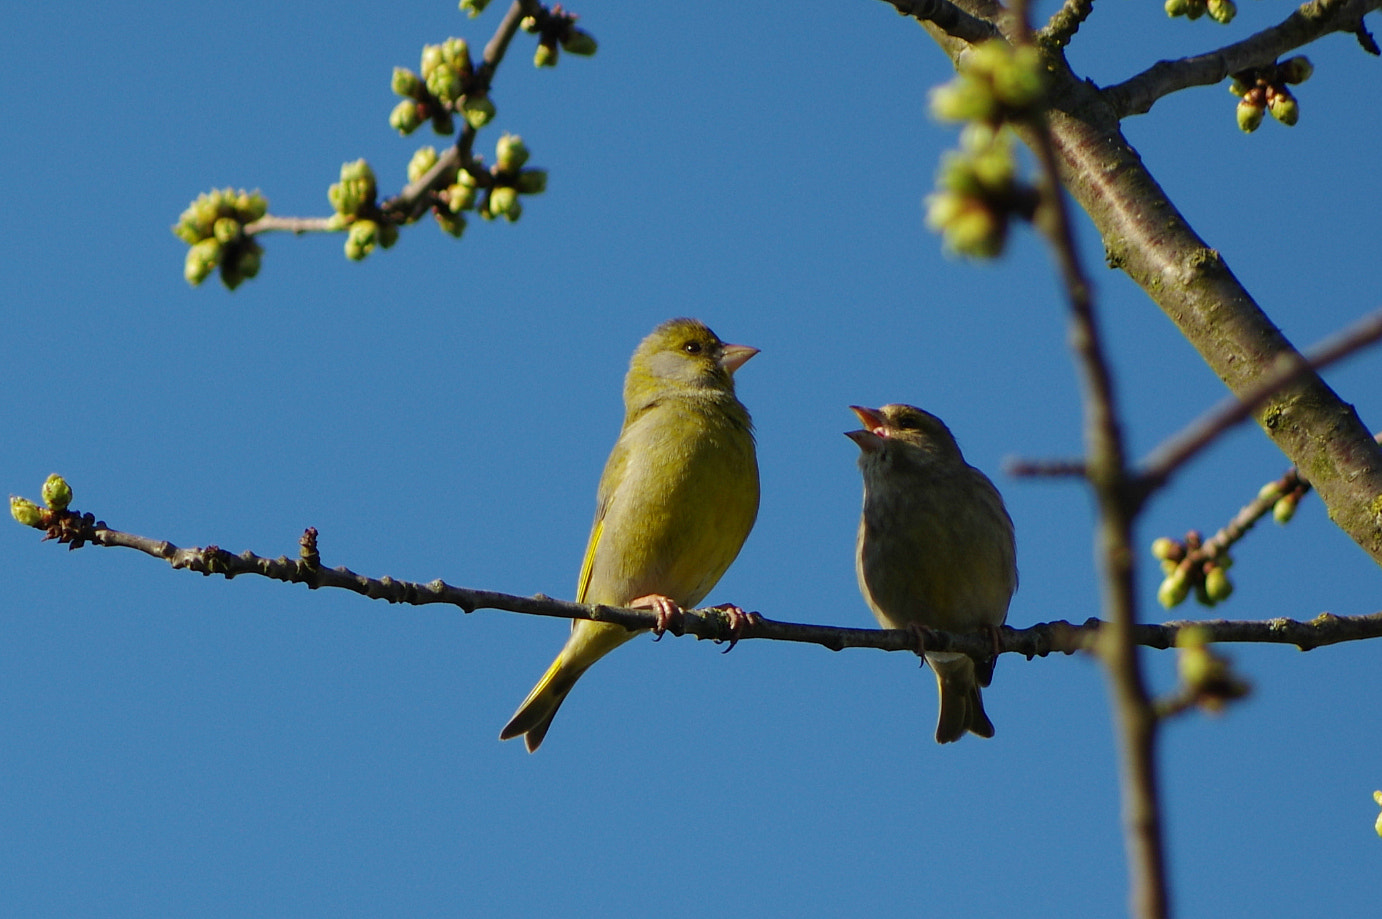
(935, 550)
(677, 499)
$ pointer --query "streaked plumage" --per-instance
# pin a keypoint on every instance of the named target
(935, 549)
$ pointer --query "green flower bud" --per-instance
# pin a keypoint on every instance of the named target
(406, 83)
(1377, 796)
(455, 51)
(250, 206)
(511, 153)
(502, 201)
(405, 117)
(1019, 81)
(528, 24)
(578, 42)
(26, 512)
(995, 169)
(977, 231)
(546, 54)
(478, 112)
(1176, 8)
(201, 260)
(1269, 492)
(1167, 549)
(424, 158)
(1283, 106)
(355, 190)
(963, 99)
(247, 261)
(388, 235)
(1174, 589)
(57, 494)
(1296, 70)
(1237, 86)
(532, 181)
(1249, 116)
(1217, 585)
(444, 82)
(460, 197)
(226, 230)
(1284, 510)
(361, 239)
(1195, 9)
(431, 59)
(1222, 11)
(473, 8)
(453, 224)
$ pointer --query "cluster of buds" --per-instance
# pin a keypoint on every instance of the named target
(1219, 10)
(214, 227)
(978, 193)
(57, 495)
(1285, 494)
(356, 211)
(1264, 89)
(1206, 677)
(556, 28)
(473, 8)
(1187, 568)
(447, 85)
(996, 83)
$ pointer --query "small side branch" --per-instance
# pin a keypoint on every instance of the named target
(1137, 95)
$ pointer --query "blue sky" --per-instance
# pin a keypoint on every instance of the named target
(177, 745)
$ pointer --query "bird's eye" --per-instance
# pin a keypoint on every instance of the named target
(692, 347)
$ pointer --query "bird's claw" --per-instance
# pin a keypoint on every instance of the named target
(919, 634)
(667, 611)
(737, 619)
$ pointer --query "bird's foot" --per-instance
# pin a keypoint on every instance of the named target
(738, 620)
(667, 611)
(919, 633)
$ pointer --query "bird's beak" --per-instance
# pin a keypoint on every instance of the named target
(734, 356)
(869, 439)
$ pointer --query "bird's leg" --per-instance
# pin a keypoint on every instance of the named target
(667, 610)
(738, 620)
(919, 633)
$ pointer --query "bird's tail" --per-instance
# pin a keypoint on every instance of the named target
(962, 705)
(589, 642)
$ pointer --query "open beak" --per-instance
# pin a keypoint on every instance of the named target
(869, 440)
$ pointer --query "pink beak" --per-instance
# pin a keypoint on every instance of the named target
(735, 356)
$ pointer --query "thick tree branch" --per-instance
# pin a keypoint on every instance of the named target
(76, 530)
(948, 18)
(1138, 94)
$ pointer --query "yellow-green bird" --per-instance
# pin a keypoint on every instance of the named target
(677, 499)
(935, 549)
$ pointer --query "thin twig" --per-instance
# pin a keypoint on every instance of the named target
(1065, 23)
(1138, 94)
(1056, 637)
(1173, 453)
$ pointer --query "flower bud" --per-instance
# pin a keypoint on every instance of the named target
(502, 200)
(451, 223)
(57, 494)
(1377, 796)
(460, 197)
(455, 52)
(248, 260)
(431, 59)
(201, 260)
(1167, 549)
(1019, 80)
(1194, 9)
(511, 153)
(963, 99)
(444, 82)
(1269, 492)
(1217, 586)
(405, 117)
(1284, 510)
(546, 54)
(578, 42)
(532, 181)
(1222, 11)
(1283, 106)
(1249, 116)
(1296, 70)
(361, 239)
(1174, 589)
(1176, 8)
(406, 83)
(478, 112)
(424, 158)
(26, 512)
(473, 8)
(250, 206)
(442, 123)
(226, 230)
(388, 235)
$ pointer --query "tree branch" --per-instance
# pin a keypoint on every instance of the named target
(1057, 637)
(1137, 95)
(947, 17)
